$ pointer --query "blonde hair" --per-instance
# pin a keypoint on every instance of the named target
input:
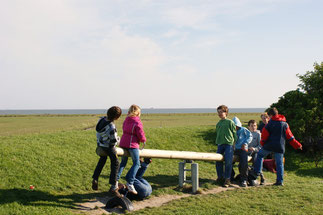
(134, 110)
(265, 114)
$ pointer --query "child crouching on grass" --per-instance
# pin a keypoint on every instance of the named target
(225, 138)
(107, 139)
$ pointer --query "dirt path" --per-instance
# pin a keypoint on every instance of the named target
(97, 206)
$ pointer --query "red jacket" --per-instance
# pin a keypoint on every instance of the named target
(275, 133)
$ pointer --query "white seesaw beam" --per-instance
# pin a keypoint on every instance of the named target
(182, 155)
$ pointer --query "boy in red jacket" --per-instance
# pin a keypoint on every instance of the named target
(273, 138)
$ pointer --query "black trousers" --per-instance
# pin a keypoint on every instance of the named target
(243, 163)
(114, 166)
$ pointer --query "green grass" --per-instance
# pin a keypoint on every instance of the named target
(31, 124)
(56, 154)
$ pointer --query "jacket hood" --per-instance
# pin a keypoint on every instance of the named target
(278, 117)
(101, 124)
(237, 121)
(133, 119)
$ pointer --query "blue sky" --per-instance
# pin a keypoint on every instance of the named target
(163, 54)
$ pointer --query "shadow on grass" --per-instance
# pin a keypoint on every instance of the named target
(205, 181)
(314, 172)
(208, 136)
(41, 198)
(162, 181)
(300, 164)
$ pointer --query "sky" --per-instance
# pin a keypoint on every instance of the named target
(93, 54)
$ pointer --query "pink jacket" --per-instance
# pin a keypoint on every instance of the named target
(133, 133)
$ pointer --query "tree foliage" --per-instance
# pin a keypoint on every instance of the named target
(303, 109)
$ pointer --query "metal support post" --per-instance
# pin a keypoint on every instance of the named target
(182, 174)
(195, 177)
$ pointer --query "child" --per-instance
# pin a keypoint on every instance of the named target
(273, 138)
(133, 134)
(225, 138)
(141, 185)
(241, 149)
(254, 146)
(264, 120)
(107, 139)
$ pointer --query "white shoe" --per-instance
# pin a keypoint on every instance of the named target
(131, 189)
(113, 187)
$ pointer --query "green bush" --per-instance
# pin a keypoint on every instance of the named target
(303, 109)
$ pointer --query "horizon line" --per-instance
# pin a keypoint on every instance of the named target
(127, 108)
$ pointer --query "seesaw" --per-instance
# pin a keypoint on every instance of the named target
(188, 157)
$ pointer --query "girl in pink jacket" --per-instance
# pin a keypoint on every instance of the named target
(133, 135)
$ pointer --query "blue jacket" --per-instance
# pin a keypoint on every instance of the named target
(244, 138)
(275, 133)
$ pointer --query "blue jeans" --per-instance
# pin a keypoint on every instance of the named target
(279, 163)
(253, 156)
(227, 150)
(130, 177)
(141, 185)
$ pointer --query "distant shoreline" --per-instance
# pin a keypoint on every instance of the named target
(144, 111)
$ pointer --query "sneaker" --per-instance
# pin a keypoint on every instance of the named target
(262, 179)
(226, 182)
(278, 184)
(243, 184)
(114, 192)
(131, 189)
(95, 184)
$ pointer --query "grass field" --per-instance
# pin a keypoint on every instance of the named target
(56, 154)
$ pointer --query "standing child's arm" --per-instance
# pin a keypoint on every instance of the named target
(258, 146)
(264, 136)
(248, 137)
(113, 135)
(216, 133)
(140, 133)
(234, 131)
(291, 139)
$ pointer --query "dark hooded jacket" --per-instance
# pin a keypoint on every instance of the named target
(106, 133)
(275, 133)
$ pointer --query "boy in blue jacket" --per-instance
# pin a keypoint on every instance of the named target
(273, 138)
(241, 149)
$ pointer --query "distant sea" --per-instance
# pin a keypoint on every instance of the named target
(144, 110)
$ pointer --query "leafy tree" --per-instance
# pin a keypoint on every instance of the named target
(312, 84)
(303, 109)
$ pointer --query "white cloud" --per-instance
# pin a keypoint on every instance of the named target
(65, 60)
(185, 17)
(71, 54)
